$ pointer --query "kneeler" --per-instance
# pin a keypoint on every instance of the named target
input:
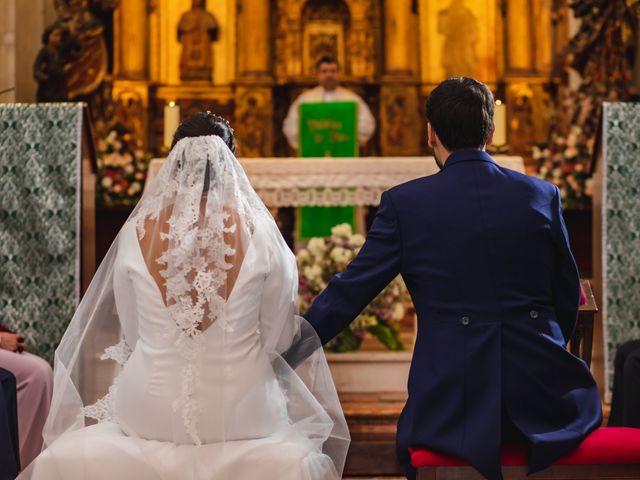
(608, 453)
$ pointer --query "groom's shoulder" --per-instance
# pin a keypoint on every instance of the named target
(415, 184)
(416, 188)
(437, 184)
(530, 182)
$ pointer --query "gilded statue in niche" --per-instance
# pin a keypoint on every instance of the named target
(323, 44)
(325, 31)
(197, 30)
(86, 59)
(353, 26)
(459, 26)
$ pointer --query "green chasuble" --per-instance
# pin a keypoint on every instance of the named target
(327, 129)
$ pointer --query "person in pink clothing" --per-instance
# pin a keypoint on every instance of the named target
(34, 378)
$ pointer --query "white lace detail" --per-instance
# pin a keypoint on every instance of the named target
(197, 260)
(119, 352)
(103, 410)
(191, 348)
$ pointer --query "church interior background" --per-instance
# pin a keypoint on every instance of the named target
(552, 63)
(264, 53)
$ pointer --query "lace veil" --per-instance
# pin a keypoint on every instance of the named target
(208, 249)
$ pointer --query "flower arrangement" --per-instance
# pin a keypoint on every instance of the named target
(320, 261)
(122, 169)
(563, 162)
(603, 53)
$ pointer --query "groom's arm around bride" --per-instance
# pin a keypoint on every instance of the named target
(485, 255)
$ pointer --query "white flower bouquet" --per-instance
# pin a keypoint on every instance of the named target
(321, 260)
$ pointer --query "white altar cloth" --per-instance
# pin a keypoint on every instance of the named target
(293, 182)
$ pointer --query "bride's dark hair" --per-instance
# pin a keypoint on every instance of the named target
(203, 124)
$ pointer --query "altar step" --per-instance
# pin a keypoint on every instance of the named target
(372, 419)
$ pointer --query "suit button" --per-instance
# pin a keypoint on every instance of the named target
(533, 314)
(465, 320)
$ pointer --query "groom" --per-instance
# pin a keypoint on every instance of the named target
(485, 255)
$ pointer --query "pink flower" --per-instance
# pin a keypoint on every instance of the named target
(567, 168)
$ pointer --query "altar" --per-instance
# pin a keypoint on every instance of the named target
(294, 182)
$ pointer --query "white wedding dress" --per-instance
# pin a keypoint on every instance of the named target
(192, 402)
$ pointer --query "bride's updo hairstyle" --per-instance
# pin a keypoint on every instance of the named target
(203, 124)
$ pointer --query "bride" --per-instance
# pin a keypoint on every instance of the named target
(172, 366)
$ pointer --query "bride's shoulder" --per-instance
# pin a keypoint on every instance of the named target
(267, 233)
(126, 232)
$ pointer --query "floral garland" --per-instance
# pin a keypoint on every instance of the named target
(565, 159)
(603, 52)
(122, 169)
(325, 257)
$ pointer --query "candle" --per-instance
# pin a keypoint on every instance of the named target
(171, 122)
(500, 121)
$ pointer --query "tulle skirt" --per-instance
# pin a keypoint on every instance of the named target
(104, 452)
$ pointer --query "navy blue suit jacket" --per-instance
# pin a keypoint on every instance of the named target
(485, 255)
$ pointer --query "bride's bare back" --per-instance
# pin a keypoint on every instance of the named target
(156, 243)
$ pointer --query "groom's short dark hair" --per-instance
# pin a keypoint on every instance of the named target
(460, 111)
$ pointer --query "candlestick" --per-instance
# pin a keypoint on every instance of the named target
(171, 122)
(500, 121)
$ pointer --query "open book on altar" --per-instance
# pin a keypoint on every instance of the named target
(328, 129)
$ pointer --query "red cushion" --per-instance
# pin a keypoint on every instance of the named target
(583, 296)
(605, 446)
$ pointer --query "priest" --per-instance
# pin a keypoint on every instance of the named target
(329, 90)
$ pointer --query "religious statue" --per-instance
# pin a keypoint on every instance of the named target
(48, 69)
(84, 57)
(196, 31)
(459, 57)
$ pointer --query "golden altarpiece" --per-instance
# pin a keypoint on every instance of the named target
(258, 55)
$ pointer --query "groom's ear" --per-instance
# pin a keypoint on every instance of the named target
(432, 138)
(490, 137)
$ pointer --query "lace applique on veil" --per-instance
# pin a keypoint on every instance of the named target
(103, 410)
(193, 226)
(200, 213)
(120, 352)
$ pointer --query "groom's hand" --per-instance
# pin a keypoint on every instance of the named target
(303, 346)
